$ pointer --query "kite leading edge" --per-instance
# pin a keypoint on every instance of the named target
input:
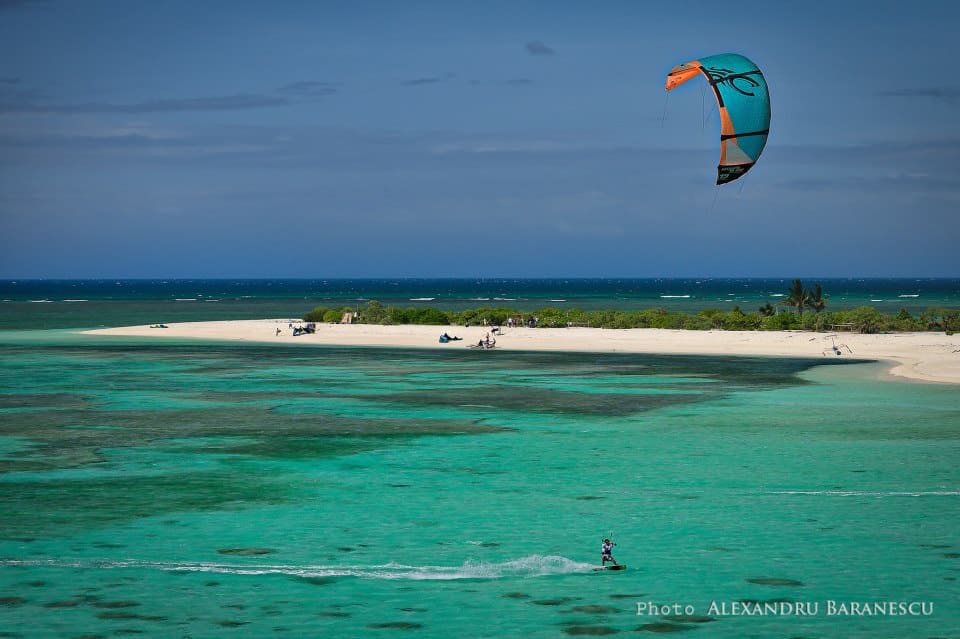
(744, 104)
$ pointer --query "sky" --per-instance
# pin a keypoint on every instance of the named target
(145, 139)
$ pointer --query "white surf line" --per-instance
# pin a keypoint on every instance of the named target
(867, 493)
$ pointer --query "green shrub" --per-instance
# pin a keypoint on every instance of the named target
(951, 321)
(431, 316)
(658, 318)
(467, 317)
(551, 318)
(781, 322)
(316, 315)
(477, 316)
(941, 319)
(636, 320)
(619, 319)
(903, 321)
(693, 323)
(865, 319)
(712, 315)
(578, 317)
(737, 320)
(395, 315)
(817, 321)
(373, 313)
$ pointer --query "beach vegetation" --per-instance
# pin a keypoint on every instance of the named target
(864, 319)
(951, 321)
(429, 316)
(617, 319)
(903, 321)
(373, 313)
(601, 319)
(579, 317)
(660, 318)
(816, 299)
(737, 320)
(713, 315)
(471, 317)
(797, 297)
(397, 315)
(485, 316)
(327, 314)
(316, 315)
(781, 322)
(695, 323)
(938, 318)
(819, 321)
(800, 298)
(551, 318)
(389, 315)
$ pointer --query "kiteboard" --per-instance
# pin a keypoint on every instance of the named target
(614, 567)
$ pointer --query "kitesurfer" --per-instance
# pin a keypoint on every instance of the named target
(606, 551)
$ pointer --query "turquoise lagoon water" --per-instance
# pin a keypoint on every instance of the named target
(211, 490)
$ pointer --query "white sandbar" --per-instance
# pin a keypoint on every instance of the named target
(930, 356)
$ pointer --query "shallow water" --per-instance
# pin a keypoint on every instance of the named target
(214, 490)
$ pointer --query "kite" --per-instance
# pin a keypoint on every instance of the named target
(744, 104)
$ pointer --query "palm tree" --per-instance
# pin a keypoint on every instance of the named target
(817, 301)
(797, 297)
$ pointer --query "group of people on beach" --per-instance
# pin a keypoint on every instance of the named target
(487, 342)
(309, 329)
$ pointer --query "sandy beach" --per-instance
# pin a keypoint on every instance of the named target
(930, 357)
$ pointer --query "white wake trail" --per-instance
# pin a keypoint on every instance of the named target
(531, 566)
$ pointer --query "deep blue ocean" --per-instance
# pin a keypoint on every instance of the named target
(96, 303)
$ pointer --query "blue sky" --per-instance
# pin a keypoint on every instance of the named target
(471, 139)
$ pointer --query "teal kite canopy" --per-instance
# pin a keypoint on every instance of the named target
(744, 103)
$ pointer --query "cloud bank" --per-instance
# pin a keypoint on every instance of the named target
(537, 47)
